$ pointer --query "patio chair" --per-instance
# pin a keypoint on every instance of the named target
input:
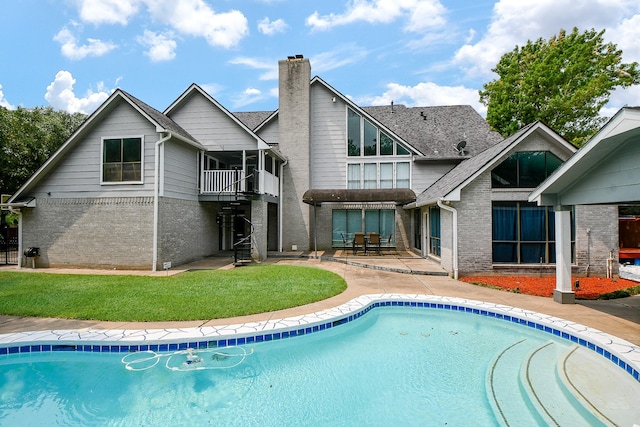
(359, 242)
(374, 242)
(388, 241)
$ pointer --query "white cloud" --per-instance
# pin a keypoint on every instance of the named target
(61, 96)
(629, 97)
(427, 94)
(3, 101)
(340, 57)
(626, 36)
(249, 96)
(212, 88)
(190, 17)
(514, 22)
(420, 14)
(270, 66)
(269, 28)
(162, 47)
(107, 11)
(196, 18)
(70, 48)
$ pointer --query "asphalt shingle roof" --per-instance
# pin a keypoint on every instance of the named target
(463, 171)
(435, 131)
(253, 119)
(163, 120)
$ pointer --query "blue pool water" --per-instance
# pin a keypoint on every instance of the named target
(392, 366)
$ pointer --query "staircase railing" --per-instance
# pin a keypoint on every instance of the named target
(242, 248)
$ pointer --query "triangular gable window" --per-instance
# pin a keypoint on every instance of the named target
(524, 169)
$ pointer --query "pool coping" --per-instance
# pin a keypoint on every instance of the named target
(620, 352)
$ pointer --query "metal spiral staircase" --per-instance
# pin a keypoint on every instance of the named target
(231, 210)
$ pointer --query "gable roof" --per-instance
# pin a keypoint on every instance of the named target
(449, 186)
(621, 132)
(194, 88)
(162, 122)
(431, 133)
(155, 117)
(389, 130)
(253, 119)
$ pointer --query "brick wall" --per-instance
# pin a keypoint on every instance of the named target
(596, 236)
(187, 231)
(474, 226)
(96, 233)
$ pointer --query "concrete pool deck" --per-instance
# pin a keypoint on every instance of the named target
(399, 274)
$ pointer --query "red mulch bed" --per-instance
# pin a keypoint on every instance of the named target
(590, 287)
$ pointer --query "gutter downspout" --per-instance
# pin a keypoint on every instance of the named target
(156, 197)
(281, 198)
(454, 212)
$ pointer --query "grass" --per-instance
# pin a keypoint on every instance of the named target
(196, 295)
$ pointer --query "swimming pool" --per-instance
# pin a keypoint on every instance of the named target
(378, 360)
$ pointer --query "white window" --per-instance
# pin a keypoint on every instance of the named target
(402, 175)
(370, 175)
(122, 160)
(386, 175)
(353, 172)
(378, 175)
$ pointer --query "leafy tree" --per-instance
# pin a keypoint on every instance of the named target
(28, 136)
(563, 82)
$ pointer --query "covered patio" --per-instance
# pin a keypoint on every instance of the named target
(605, 171)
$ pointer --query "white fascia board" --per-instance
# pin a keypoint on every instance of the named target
(67, 144)
(188, 141)
(613, 127)
(357, 108)
(538, 126)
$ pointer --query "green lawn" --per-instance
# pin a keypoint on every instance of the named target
(196, 295)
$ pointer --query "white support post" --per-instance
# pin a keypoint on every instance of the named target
(563, 293)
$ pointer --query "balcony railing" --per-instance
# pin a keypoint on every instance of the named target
(236, 181)
(268, 183)
(223, 181)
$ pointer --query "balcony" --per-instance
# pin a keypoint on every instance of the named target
(227, 182)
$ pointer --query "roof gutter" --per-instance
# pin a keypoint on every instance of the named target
(156, 197)
(454, 212)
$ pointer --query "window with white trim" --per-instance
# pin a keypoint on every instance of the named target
(122, 160)
(365, 139)
(378, 175)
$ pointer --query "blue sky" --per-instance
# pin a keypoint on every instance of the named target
(71, 54)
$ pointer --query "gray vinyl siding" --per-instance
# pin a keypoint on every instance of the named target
(180, 180)
(79, 174)
(211, 126)
(610, 181)
(328, 140)
(269, 132)
(424, 174)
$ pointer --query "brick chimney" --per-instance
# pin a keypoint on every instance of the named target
(294, 135)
